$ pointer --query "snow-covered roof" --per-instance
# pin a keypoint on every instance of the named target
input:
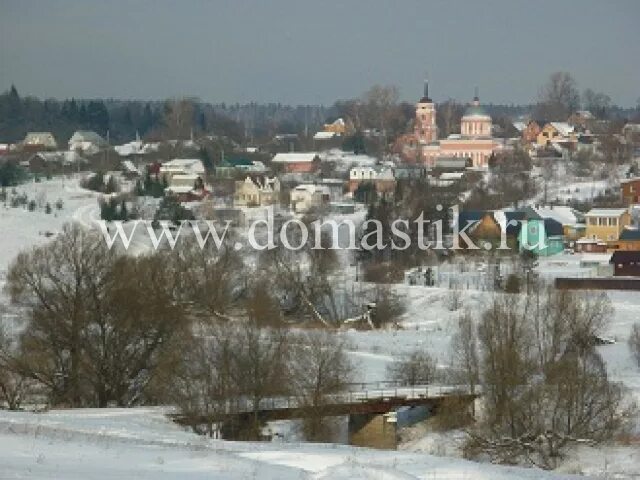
(39, 138)
(131, 148)
(628, 180)
(324, 135)
(129, 166)
(605, 212)
(586, 114)
(294, 157)
(179, 188)
(601, 258)
(562, 127)
(451, 175)
(81, 136)
(561, 214)
(520, 126)
(187, 165)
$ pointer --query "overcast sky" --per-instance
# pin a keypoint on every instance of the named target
(310, 52)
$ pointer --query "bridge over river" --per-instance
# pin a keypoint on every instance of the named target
(370, 408)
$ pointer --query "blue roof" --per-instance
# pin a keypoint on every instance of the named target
(630, 234)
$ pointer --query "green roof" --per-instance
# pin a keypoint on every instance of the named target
(475, 110)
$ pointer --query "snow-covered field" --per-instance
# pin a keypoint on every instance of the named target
(141, 443)
(20, 228)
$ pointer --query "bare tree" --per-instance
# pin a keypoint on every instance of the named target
(558, 98)
(465, 355)
(597, 103)
(386, 307)
(454, 297)
(13, 384)
(100, 327)
(414, 368)
(204, 387)
(178, 118)
(448, 116)
(319, 368)
(634, 342)
(210, 277)
(260, 368)
(544, 385)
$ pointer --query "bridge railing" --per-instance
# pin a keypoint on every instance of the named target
(383, 391)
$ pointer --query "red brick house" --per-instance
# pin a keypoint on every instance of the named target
(630, 191)
(297, 162)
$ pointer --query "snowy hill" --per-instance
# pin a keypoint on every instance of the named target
(143, 444)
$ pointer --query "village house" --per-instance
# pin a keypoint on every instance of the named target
(338, 126)
(606, 223)
(589, 245)
(630, 191)
(409, 172)
(629, 239)
(322, 136)
(297, 162)
(136, 148)
(230, 167)
(336, 188)
(572, 221)
(87, 142)
(490, 226)
(54, 162)
(188, 188)
(626, 263)
(631, 132)
(529, 130)
(181, 166)
(553, 132)
(543, 236)
(581, 120)
(381, 177)
(129, 169)
(36, 141)
(261, 192)
(309, 197)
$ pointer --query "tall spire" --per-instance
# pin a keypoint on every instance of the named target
(476, 97)
(425, 98)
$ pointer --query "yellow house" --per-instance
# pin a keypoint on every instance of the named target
(339, 127)
(260, 192)
(606, 223)
(555, 131)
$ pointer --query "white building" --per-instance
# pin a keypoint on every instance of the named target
(40, 139)
(87, 142)
(181, 166)
(307, 197)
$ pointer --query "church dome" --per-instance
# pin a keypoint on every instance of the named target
(476, 110)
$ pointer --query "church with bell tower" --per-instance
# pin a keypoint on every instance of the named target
(474, 142)
(425, 129)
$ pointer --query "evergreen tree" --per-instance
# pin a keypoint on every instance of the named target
(124, 214)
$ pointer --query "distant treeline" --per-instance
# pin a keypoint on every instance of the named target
(242, 123)
(124, 118)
